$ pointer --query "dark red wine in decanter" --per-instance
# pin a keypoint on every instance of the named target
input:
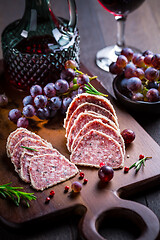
(36, 47)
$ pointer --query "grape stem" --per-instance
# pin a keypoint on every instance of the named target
(90, 78)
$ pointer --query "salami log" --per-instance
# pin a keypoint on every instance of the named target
(96, 147)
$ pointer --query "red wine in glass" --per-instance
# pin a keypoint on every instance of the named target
(120, 9)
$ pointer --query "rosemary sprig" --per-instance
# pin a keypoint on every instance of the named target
(137, 165)
(15, 194)
(32, 149)
(91, 90)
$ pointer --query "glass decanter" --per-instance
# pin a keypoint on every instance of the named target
(36, 47)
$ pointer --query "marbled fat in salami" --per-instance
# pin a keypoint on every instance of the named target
(49, 169)
(90, 107)
(90, 98)
(96, 147)
(98, 125)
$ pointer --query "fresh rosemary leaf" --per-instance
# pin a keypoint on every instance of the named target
(91, 90)
(14, 193)
(32, 149)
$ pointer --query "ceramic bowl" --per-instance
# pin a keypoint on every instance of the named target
(136, 106)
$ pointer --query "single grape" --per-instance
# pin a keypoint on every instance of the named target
(68, 74)
(114, 69)
(147, 52)
(128, 53)
(105, 173)
(61, 86)
(121, 61)
(3, 100)
(28, 100)
(124, 83)
(153, 95)
(35, 90)
(71, 64)
(128, 136)
(139, 73)
(81, 89)
(76, 186)
(43, 113)
(22, 122)
(139, 62)
(152, 74)
(152, 85)
(40, 101)
(49, 90)
(148, 60)
(130, 70)
(28, 111)
(137, 97)
(156, 61)
(14, 115)
(82, 79)
(134, 84)
(135, 56)
(55, 103)
(65, 103)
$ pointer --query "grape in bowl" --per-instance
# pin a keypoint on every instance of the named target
(137, 105)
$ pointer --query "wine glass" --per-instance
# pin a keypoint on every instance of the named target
(120, 9)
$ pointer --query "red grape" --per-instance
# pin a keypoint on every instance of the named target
(134, 84)
(61, 86)
(14, 115)
(40, 101)
(22, 122)
(68, 74)
(153, 95)
(49, 90)
(121, 61)
(156, 61)
(137, 97)
(70, 64)
(130, 70)
(128, 136)
(105, 173)
(27, 100)
(152, 74)
(29, 111)
(114, 69)
(82, 79)
(76, 186)
(128, 53)
(35, 90)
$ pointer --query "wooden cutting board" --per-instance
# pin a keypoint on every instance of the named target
(96, 199)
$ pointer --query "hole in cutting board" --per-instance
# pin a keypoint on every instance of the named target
(117, 224)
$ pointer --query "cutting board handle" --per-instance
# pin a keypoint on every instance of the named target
(140, 215)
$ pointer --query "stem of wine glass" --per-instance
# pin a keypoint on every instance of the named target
(121, 20)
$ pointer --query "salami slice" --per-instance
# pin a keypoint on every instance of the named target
(90, 98)
(81, 120)
(49, 169)
(20, 135)
(96, 147)
(10, 138)
(27, 142)
(26, 157)
(98, 125)
(90, 107)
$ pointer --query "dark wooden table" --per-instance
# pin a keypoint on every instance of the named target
(97, 29)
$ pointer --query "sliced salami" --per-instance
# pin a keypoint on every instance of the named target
(20, 135)
(49, 169)
(26, 157)
(81, 120)
(9, 139)
(98, 125)
(90, 98)
(96, 147)
(27, 142)
(90, 107)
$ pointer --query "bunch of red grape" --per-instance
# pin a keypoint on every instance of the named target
(141, 74)
(54, 97)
